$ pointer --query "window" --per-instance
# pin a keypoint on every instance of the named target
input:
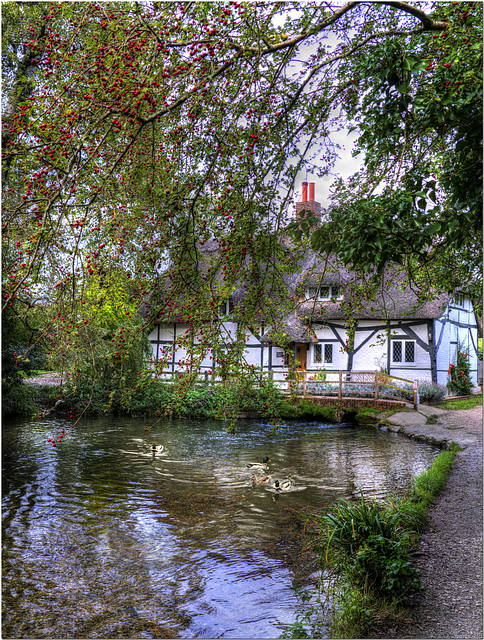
(322, 353)
(403, 351)
(459, 299)
(325, 292)
(226, 307)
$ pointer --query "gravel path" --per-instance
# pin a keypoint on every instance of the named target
(451, 549)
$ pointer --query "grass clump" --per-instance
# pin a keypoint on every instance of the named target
(430, 483)
(467, 403)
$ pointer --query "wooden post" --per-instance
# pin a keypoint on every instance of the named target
(304, 383)
(340, 383)
(415, 394)
(376, 385)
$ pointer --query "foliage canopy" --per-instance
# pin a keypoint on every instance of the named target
(133, 133)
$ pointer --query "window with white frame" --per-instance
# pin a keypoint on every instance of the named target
(325, 292)
(323, 353)
(459, 299)
(403, 351)
(226, 307)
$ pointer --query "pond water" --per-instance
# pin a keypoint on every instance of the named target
(104, 539)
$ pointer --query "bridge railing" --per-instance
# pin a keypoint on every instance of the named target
(346, 383)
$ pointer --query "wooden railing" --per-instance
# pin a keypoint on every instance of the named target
(328, 383)
(332, 383)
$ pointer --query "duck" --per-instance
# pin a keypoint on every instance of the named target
(282, 486)
(158, 448)
(261, 479)
(259, 465)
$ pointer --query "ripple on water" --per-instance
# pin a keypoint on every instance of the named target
(104, 539)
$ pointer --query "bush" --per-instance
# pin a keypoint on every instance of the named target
(152, 397)
(460, 381)
(18, 398)
(371, 542)
(430, 392)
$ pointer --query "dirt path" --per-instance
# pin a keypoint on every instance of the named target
(451, 549)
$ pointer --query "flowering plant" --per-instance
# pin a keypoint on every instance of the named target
(460, 379)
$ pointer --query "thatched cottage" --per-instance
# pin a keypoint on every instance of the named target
(391, 332)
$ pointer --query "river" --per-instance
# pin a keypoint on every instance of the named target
(104, 539)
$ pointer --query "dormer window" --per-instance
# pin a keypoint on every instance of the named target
(325, 292)
(226, 307)
(459, 299)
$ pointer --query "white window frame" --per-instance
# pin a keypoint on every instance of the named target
(316, 292)
(459, 300)
(226, 308)
(404, 360)
(321, 347)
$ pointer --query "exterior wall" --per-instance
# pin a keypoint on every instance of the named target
(167, 338)
(334, 334)
(373, 349)
(418, 332)
(435, 345)
(457, 325)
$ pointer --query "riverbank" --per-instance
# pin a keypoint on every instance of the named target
(450, 551)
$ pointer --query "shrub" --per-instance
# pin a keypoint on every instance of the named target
(430, 392)
(460, 381)
(18, 398)
(371, 542)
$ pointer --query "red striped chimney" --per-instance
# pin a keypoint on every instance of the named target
(304, 191)
(306, 204)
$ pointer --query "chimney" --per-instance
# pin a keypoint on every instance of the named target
(308, 205)
(304, 191)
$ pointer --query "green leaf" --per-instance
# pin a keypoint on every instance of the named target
(433, 228)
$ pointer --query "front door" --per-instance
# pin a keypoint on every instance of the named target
(300, 358)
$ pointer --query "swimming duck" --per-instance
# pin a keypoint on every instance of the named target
(282, 486)
(157, 447)
(261, 479)
(259, 465)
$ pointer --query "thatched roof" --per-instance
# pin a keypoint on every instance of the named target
(393, 301)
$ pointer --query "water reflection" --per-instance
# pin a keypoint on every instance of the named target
(103, 538)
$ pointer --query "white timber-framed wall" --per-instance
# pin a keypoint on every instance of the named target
(456, 326)
(414, 349)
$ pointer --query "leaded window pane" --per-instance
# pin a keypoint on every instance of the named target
(409, 352)
(328, 353)
(317, 353)
(312, 292)
(324, 293)
(397, 351)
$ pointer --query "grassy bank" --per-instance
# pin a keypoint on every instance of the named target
(365, 558)
(462, 403)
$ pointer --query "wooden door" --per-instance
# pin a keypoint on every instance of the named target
(301, 356)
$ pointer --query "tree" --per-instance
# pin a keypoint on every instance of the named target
(418, 200)
(134, 134)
